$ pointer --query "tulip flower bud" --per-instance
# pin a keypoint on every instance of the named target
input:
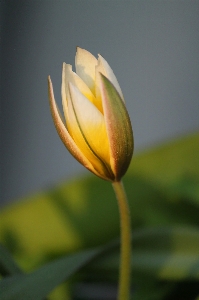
(97, 129)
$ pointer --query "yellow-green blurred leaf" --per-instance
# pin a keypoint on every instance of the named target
(83, 213)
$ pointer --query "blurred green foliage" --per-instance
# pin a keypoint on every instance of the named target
(162, 186)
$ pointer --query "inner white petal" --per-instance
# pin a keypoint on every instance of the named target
(85, 64)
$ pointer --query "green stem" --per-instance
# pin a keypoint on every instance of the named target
(125, 259)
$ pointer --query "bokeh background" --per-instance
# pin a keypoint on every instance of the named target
(152, 46)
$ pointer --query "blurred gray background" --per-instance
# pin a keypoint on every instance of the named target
(152, 46)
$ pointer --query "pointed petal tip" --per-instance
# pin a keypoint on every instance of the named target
(50, 89)
(79, 49)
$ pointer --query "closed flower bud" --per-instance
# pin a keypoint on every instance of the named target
(97, 129)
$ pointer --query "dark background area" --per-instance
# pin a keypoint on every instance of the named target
(152, 46)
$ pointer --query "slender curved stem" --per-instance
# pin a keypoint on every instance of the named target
(125, 259)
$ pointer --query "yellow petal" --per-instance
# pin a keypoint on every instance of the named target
(64, 134)
(85, 64)
(88, 130)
